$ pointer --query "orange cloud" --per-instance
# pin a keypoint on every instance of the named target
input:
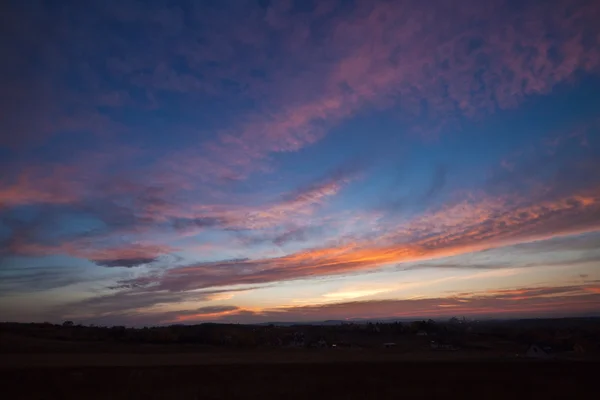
(206, 313)
(450, 231)
(576, 300)
(374, 53)
(139, 307)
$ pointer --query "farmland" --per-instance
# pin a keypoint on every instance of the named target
(45, 361)
(349, 380)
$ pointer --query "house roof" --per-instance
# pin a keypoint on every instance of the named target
(551, 348)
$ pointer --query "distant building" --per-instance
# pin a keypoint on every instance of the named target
(421, 333)
(583, 346)
(538, 351)
(441, 346)
(389, 345)
(579, 348)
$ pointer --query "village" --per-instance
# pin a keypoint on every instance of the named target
(349, 359)
(573, 338)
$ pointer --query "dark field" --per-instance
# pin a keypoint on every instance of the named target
(347, 380)
(45, 361)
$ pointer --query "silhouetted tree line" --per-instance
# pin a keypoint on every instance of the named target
(455, 330)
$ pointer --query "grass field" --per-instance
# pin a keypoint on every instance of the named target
(301, 380)
(231, 357)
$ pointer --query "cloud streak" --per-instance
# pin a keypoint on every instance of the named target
(528, 301)
(453, 230)
(148, 130)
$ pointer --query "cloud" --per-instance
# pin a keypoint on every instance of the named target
(34, 279)
(120, 254)
(454, 229)
(125, 262)
(200, 314)
(127, 208)
(352, 294)
(140, 308)
(132, 220)
(132, 306)
(437, 183)
(438, 63)
(287, 79)
(36, 186)
(543, 262)
(559, 163)
(433, 62)
(581, 243)
(523, 302)
(292, 235)
(547, 301)
(127, 301)
(469, 222)
(468, 59)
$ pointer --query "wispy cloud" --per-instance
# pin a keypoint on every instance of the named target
(140, 212)
(550, 301)
(527, 301)
(16, 279)
(138, 304)
(238, 86)
(441, 61)
(452, 230)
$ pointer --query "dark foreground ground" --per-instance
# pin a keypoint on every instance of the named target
(347, 380)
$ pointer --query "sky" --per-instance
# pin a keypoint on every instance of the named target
(246, 161)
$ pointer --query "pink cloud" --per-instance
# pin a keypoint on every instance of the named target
(382, 51)
(143, 229)
(45, 184)
(560, 301)
(123, 254)
(557, 301)
(455, 229)
(470, 59)
(369, 56)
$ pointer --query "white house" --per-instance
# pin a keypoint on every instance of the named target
(441, 346)
(536, 351)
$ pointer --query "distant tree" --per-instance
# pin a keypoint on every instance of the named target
(67, 323)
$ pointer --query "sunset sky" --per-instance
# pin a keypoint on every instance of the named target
(294, 160)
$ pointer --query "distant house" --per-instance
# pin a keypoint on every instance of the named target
(421, 333)
(389, 345)
(297, 340)
(297, 343)
(586, 347)
(539, 351)
(442, 346)
(579, 348)
(582, 348)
